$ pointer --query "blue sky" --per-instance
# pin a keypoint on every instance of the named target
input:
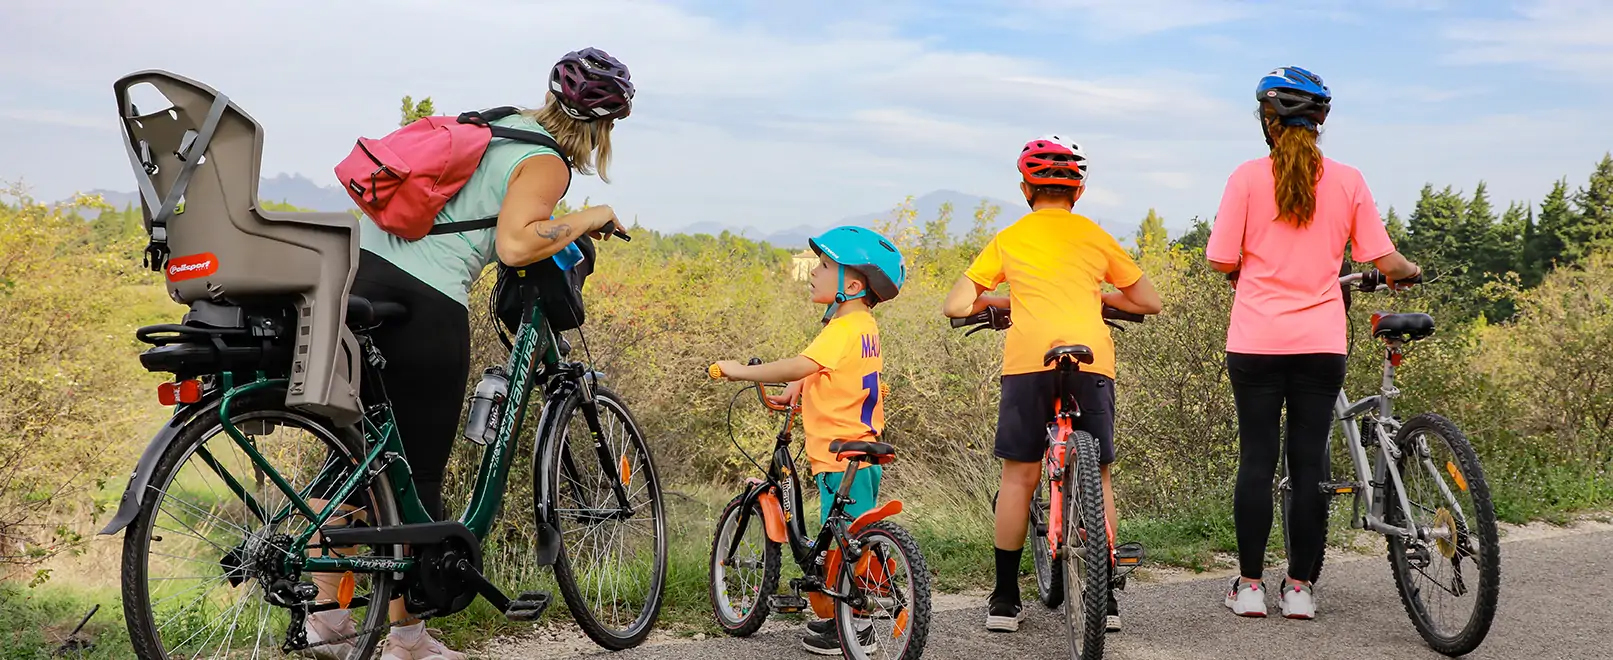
(774, 114)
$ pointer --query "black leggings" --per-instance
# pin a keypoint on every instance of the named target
(1309, 384)
(427, 363)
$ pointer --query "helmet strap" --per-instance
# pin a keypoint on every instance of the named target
(840, 296)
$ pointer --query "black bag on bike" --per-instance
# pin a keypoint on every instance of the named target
(559, 292)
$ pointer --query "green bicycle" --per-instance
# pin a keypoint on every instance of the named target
(246, 515)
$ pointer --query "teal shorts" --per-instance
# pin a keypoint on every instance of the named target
(864, 491)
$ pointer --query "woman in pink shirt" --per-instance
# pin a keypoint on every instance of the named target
(1282, 227)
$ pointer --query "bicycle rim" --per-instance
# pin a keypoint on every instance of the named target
(193, 535)
(739, 586)
(896, 583)
(1086, 550)
(611, 578)
(1450, 583)
(1049, 571)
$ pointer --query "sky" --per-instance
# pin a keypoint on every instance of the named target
(776, 114)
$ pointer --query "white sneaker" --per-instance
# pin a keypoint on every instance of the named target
(415, 642)
(330, 624)
(1298, 601)
(1246, 598)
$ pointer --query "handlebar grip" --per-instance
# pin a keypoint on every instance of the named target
(754, 361)
(714, 371)
(1122, 315)
(963, 322)
(615, 230)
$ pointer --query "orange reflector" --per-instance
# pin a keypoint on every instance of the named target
(626, 470)
(344, 591)
(1456, 475)
(901, 624)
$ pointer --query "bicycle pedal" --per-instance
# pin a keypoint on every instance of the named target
(1129, 554)
(1339, 487)
(786, 603)
(529, 607)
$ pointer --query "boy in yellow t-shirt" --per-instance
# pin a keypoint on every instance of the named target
(1055, 263)
(838, 376)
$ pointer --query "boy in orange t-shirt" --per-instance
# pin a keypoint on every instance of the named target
(837, 377)
(1055, 263)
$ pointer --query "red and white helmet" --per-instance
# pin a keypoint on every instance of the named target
(1052, 160)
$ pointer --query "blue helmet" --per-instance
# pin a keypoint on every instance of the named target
(870, 254)
(1298, 96)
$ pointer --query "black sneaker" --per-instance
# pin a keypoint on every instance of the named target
(1112, 623)
(828, 643)
(1003, 615)
(822, 627)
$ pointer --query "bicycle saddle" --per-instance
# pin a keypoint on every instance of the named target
(1406, 327)
(361, 312)
(1080, 353)
(877, 450)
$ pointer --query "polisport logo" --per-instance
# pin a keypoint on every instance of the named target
(192, 266)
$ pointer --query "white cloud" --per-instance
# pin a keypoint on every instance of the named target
(1574, 36)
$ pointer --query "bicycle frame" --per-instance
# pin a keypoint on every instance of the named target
(534, 338)
(1378, 412)
(816, 557)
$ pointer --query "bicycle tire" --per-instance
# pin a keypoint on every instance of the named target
(1083, 501)
(565, 574)
(918, 620)
(756, 614)
(138, 612)
(1049, 571)
(1478, 625)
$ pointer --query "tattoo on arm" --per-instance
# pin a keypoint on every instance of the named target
(553, 230)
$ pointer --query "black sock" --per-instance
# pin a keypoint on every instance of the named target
(1007, 575)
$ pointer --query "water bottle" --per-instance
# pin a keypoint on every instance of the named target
(481, 425)
(568, 257)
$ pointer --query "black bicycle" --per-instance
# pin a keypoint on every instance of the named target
(866, 568)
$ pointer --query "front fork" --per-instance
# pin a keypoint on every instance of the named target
(608, 461)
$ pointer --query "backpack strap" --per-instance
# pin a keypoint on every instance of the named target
(483, 118)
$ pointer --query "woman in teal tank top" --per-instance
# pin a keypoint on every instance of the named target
(428, 355)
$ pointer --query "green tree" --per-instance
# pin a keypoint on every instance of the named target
(1592, 229)
(1545, 249)
(1396, 227)
(1197, 236)
(1151, 235)
(412, 111)
(980, 232)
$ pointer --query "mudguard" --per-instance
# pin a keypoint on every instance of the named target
(129, 506)
(772, 511)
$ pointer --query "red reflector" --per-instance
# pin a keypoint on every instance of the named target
(185, 391)
(190, 391)
(1396, 358)
(167, 394)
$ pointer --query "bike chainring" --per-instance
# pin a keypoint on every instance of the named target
(434, 585)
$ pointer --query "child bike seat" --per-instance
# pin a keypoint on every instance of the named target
(878, 452)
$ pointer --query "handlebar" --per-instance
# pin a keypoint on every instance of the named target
(1371, 280)
(615, 230)
(715, 372)
(997, 318)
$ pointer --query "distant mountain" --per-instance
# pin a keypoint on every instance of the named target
(294, 189)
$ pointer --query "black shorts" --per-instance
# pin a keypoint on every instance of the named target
(1027, 408)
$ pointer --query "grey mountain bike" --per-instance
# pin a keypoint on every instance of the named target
(1423, 489)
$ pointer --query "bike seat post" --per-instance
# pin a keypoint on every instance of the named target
(1067, 367)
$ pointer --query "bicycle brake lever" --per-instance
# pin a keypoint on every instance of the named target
(977, 328)
(1114, 325)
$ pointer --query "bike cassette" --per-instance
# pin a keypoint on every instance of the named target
(1446, 543)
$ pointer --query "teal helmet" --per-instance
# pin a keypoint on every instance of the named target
(870, 254)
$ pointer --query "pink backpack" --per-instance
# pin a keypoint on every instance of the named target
(401, 181)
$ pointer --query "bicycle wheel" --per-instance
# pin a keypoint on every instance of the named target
(1049, 571)
(1086, 549)
(1285, 501)
(739, 586)
(613, 561)
(893, 577)
(1456, 521)
(199, 559)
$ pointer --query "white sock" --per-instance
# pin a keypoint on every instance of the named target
(408, 634)
(331, 618)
